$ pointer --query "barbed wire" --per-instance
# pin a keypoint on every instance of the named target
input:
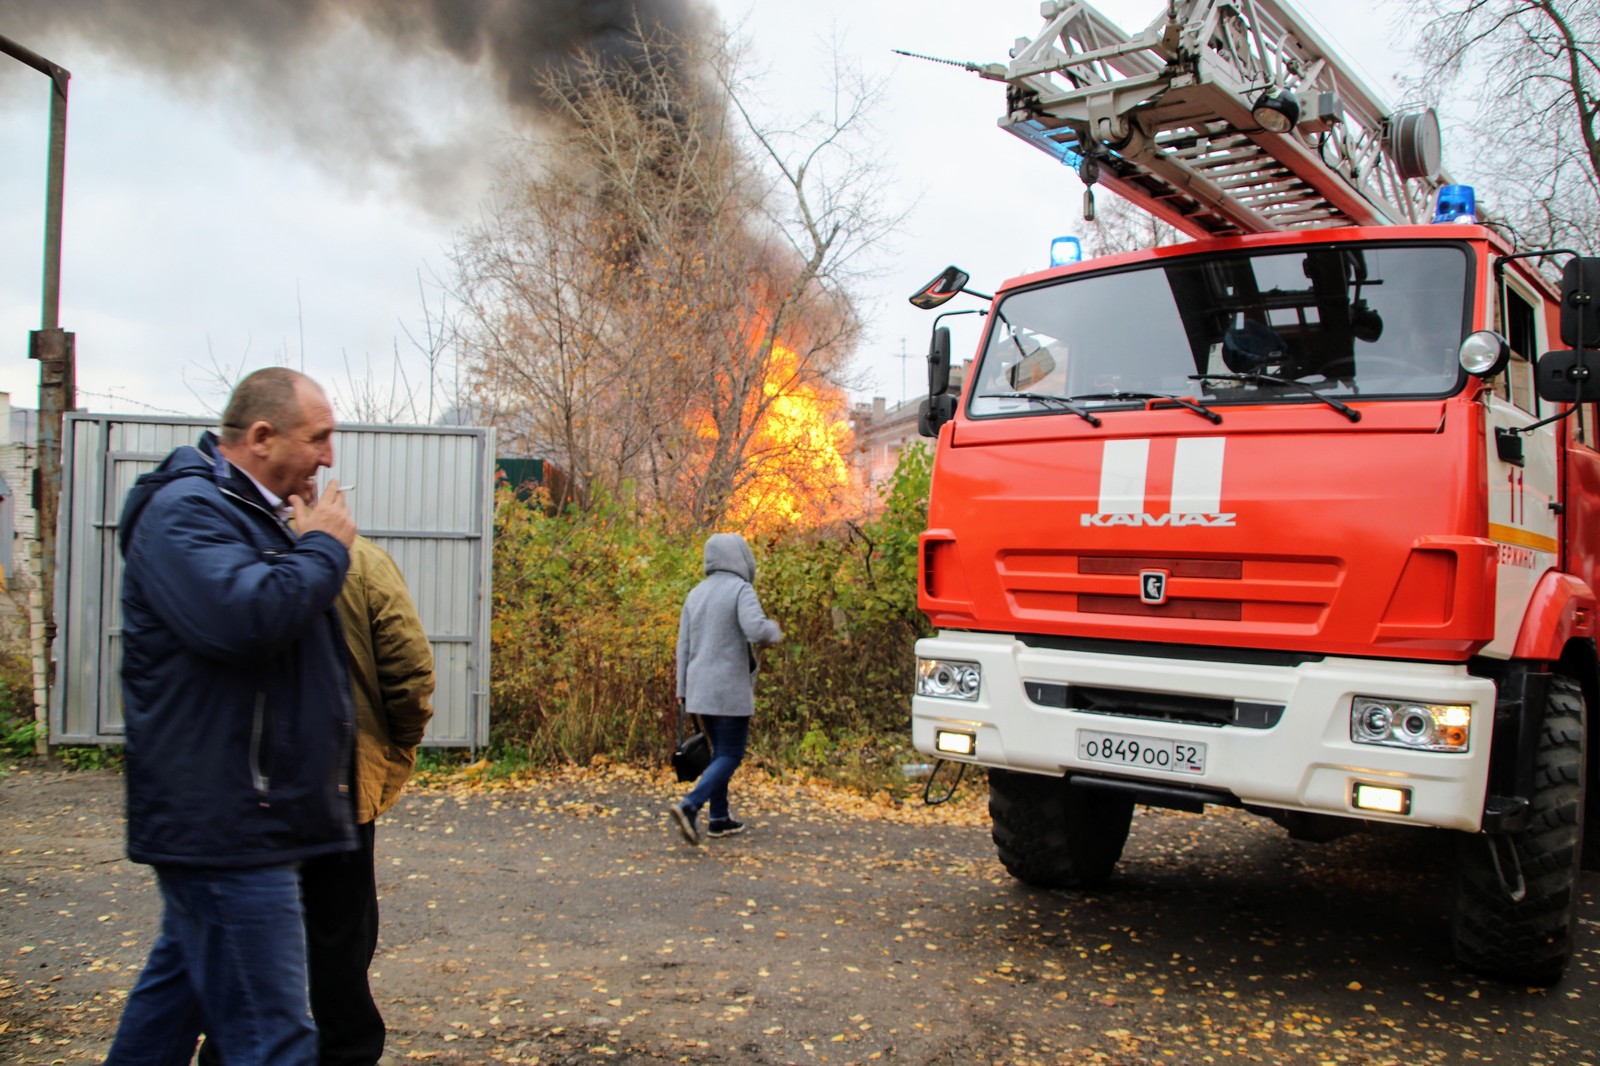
(136, 403)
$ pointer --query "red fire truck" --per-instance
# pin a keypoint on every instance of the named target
(1293, 517)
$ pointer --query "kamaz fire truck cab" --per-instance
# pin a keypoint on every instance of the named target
(1295, 518)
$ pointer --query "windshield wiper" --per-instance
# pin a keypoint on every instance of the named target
(1182, 401)
(1059, 401)
(1283, 383)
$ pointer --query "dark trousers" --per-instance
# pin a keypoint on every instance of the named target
(340, 894)
(729, 737)
(341, 901)
(231, 958)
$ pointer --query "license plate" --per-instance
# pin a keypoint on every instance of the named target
(1150, 753)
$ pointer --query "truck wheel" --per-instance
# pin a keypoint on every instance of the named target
(1052, 835)
(1530, 940)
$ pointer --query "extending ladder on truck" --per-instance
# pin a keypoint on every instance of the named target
(1172, 119)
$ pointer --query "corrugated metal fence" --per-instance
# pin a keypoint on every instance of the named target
(425, 494)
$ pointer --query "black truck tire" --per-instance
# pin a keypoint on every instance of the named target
(1052, 835)
(1530, 940)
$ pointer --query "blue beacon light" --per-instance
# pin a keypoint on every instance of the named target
(1457, 203)
(1065, 250)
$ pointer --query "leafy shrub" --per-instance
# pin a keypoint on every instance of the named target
(18, 730)
(17, 737)
(89, 757)
(585, 622)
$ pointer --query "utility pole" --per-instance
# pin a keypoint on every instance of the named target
(54, 347)
(903, 356)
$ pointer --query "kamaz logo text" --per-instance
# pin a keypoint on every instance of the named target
(1119, 519)
(1196, 487)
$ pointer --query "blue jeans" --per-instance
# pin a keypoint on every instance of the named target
(230, 960)
(728, 738)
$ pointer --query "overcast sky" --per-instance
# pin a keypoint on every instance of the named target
(200, 232)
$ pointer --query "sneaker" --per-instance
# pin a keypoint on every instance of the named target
(723, 827)
(684, 817)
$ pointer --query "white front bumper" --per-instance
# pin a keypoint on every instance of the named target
(1307, 762)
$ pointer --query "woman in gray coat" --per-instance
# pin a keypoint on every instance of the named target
(722, 619)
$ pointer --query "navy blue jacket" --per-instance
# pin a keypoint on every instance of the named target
(234, 686)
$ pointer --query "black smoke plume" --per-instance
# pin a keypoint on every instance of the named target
(405, 92)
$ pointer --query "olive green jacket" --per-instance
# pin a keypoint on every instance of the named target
(391, 676)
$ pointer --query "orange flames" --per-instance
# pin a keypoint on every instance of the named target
(798, 453)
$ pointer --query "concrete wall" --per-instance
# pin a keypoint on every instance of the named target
(21, 609)
(16, 466)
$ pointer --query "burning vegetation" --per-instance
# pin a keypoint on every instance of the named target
(797, 474)
(658, 298)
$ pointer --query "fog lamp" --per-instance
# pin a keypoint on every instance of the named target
(1384, 798)
(952, 742)
(948, 679)
(1409, 724)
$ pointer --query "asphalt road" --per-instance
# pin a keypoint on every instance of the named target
(561, 922)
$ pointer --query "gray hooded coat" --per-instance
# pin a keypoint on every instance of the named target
(721, 619)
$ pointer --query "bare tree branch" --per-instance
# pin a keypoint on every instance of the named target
(1529, 68)
(659, 298)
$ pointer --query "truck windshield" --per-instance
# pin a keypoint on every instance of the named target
(1346, 322)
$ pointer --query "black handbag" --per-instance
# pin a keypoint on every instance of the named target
(692, 754)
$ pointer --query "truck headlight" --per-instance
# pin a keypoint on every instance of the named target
(948, 679)
(1408, 724)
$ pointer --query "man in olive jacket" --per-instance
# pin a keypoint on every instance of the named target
(392, 681)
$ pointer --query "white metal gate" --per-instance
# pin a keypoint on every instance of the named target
(425, 494)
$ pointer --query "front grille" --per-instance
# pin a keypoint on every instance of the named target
(1278, 591)
(1212, 610)
(1217, 569)
(1205, 653)
(1160, 706)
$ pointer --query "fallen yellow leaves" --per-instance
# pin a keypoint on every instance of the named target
(824, 798)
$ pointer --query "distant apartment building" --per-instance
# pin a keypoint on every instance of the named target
(882, 431)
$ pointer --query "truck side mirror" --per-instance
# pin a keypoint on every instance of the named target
(950, 281)
(1031, 369)
(939, 362)
(1569, 377)
(935, 412)
(1580, 303)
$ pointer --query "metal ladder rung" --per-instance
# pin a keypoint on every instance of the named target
(1254, 196)
(1202, 145)
(1310, 221)
(1301, 209)
(1280, 198)
(1249, 179)
(1218, 132)
(1239, 162)
(1212, 162)
(1224, 172)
